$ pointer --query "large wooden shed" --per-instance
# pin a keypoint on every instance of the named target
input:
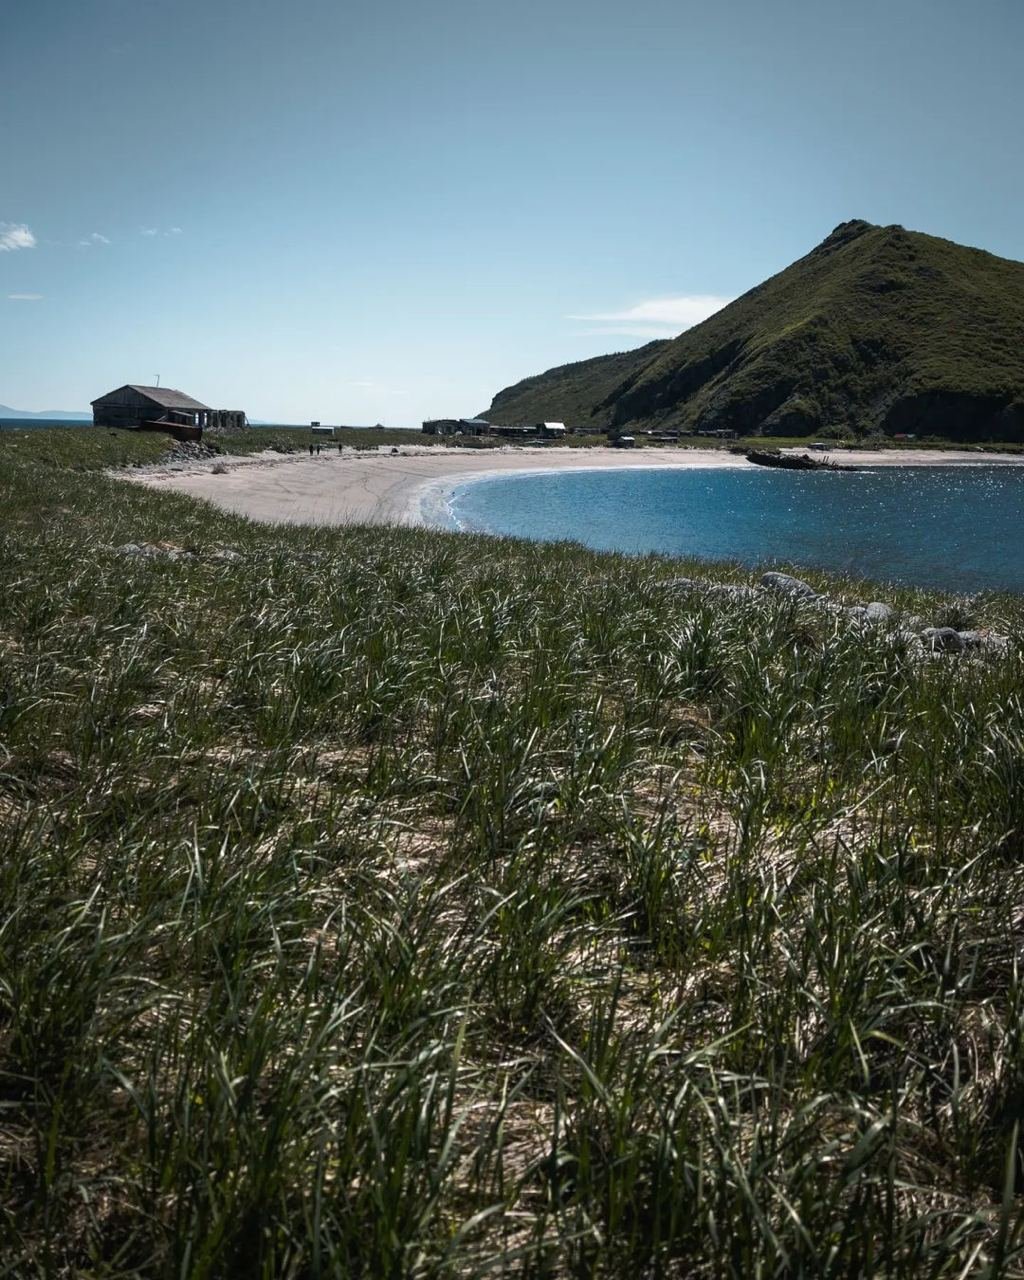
(153, 409)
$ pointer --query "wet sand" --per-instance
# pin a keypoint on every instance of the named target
(412, 486)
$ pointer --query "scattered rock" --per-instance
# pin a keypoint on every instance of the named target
(949, 640)
(191, 451)
(789, 586)
(911, 629)
(154, 551)
(168, 551)
(943, 640)
(985, 641)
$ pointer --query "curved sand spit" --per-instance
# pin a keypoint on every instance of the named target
(410, 487)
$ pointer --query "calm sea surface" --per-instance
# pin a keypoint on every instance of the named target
(957, 528)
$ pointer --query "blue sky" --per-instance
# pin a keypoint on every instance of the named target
(385, 211)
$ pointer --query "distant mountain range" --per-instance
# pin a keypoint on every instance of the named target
(878, 329)
(48, 415)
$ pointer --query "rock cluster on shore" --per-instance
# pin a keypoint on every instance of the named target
(909, 627)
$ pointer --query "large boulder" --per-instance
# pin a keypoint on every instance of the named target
(789, 586)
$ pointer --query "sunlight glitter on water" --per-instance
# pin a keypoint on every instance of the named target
(957, 528)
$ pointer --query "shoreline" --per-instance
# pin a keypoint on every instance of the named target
(414, 486)
(429, 502)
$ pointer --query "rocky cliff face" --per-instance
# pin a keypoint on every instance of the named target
(877, 329)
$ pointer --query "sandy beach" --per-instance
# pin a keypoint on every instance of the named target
(412, 486)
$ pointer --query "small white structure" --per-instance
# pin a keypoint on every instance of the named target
(553, 430)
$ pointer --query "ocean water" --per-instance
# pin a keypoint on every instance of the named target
(956, 528)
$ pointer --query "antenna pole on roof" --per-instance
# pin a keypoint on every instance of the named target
(157, 379)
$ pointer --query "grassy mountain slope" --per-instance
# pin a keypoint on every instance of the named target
(572, 392)
(877, 329)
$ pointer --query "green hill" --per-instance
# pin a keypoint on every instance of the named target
(878, 329)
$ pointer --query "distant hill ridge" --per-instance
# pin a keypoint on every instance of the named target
(48, 415)
(878, 329)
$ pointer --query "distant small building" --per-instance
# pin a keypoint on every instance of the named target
(514, 433)
(624, 442)
(553, 430)
(456, 427)
(140, 408)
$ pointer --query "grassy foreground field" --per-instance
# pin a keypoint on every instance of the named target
(396, 903)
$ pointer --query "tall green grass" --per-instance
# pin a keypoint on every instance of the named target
(396, 903)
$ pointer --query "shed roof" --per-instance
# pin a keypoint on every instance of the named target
(167, 397)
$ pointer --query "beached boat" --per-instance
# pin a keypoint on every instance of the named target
(793, 461)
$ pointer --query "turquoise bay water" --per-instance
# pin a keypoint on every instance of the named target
(955, 528)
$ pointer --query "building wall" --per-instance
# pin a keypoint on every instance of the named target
(124, 408)
(225, 419)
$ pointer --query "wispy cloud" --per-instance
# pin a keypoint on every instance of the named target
(93, 238)
(15, 235)
(25, 297)
(656, 317)
(157, 231)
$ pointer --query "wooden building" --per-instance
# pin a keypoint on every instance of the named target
(161, 409)
(456, 427)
